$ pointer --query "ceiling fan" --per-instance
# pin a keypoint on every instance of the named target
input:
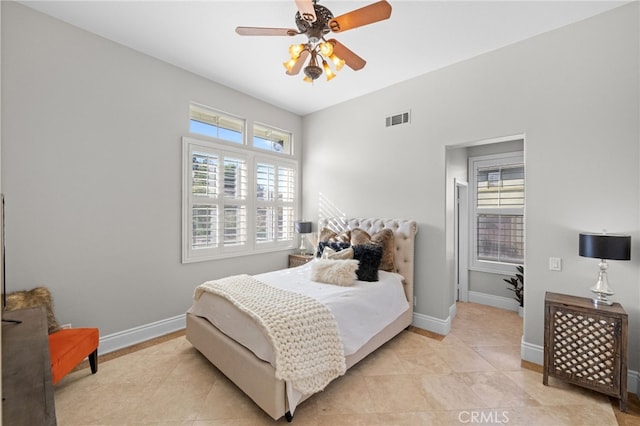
(316, 21)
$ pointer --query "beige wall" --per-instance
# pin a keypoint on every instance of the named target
(92, 169)
(573, 92)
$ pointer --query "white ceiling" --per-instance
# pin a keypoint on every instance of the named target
(420, 36)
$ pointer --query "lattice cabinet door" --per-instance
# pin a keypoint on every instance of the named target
(586, 345)
(299, 259)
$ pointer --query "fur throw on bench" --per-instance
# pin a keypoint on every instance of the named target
(39, 296)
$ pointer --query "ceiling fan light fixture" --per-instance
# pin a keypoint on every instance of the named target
(312, 71)
(315, 22)
(295, 50)
(290, 64)
(337, 62)
(328, 71)
(326, 49)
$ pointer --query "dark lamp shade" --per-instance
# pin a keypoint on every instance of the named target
(605, 246)
(303, 227)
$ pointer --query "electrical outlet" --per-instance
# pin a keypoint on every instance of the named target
(555, 264)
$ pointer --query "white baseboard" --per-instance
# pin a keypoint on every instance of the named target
(531, 353)
(495, 301)
(123, 339)
(535, 354)
(453, 311)
(435, 325)
(633, 382)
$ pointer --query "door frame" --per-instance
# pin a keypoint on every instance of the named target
(461, 240)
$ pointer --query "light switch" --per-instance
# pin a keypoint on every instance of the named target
(555, 264)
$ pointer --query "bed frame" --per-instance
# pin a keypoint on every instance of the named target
(255, 377)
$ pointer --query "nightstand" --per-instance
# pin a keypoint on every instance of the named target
(299, 259)
(586, 344)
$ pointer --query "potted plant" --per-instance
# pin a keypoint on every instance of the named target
(517, 286)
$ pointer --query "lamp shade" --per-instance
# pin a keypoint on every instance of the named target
(605, 246)
(303, 227)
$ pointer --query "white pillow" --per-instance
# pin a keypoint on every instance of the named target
(329, 253)
(339, 272)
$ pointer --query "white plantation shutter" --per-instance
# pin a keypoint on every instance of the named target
(286, 198)
(498, 203)
(275, 197)
(204, 199)
(235, 202)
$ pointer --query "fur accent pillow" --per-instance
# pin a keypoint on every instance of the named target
(385, 239)
(328, 235)
(369, 256)
(39, 296)
(329, 253)
(340, 272)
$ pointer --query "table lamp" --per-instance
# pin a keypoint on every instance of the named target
(303, 228)
(604, 246)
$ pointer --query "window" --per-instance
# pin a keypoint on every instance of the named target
(215, 124)
(498, 212)
(275, 195)
(271, 139)
(235, 201)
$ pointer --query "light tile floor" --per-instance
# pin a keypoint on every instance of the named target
(472, 376)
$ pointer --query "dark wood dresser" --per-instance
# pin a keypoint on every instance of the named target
(586, 345)
(27, 387)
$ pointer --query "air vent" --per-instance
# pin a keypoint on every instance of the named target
(394, 120)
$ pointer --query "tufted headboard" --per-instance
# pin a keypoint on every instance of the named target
(404, 232)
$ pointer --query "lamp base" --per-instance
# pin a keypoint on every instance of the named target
(602, 289)
(303, 245)
(601, 300)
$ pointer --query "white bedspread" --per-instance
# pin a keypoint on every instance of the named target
(361, 310)
(305, 337)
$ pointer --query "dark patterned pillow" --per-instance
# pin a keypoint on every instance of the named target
(369, 256)
(336, 246)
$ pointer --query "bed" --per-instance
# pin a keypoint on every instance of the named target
(242, 352)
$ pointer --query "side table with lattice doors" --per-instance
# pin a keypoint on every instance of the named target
(586, 344)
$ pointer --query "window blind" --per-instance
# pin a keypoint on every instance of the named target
(499, 199)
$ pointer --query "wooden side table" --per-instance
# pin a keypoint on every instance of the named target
(586, 345)
(299, 259)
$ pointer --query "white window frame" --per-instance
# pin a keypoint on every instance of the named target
(503, 159)
(189, 254)
(220, 120)
(276, 136)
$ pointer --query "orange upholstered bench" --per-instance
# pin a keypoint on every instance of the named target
(69, 347)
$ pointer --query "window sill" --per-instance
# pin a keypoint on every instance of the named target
(495, 268)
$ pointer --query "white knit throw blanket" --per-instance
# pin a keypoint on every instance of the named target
(306, 342)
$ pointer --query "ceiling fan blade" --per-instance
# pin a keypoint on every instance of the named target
(302, 58)
(374, 12)
(260, 31)
(354, 61)
(307, 12)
